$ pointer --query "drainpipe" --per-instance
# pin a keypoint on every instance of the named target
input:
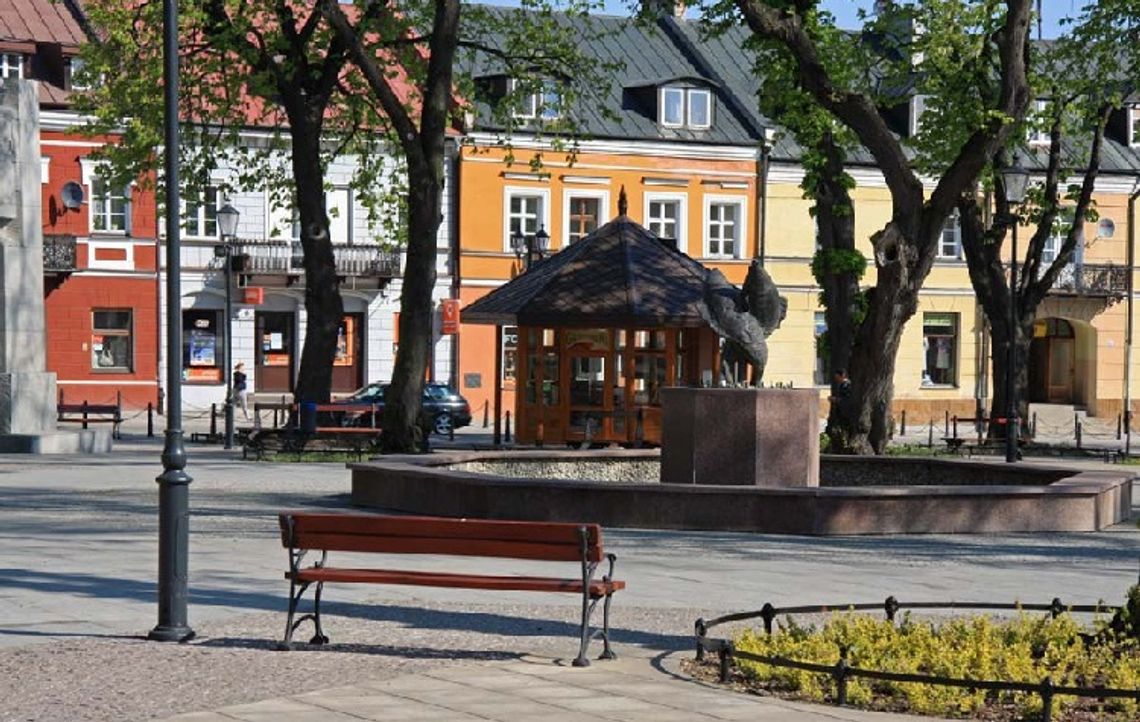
(1131, 259)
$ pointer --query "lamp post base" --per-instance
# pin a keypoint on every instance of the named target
(163, 633)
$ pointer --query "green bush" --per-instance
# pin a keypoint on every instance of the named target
(1025, 648)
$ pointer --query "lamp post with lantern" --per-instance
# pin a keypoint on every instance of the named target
(228, 217)
(1015, 181)
(528, 248)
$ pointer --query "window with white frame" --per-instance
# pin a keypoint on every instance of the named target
(583, 215)
(201, 217)
(940, 349)
(1134, 125)
(1039, 122)
(525, 214)
(950, 242)
(1056, 239)
(76, 77)
(538, 103)
(11, 65)
(111, 344)
(724, 224)
(338, 205)
(664, 217)
(110, 207)
(820, 377)
(685, 107)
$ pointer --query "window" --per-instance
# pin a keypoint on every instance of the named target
(76, 75)
(11, 65)
(202, 214)
(338, 205)
(820, 377)
(525, 210)
(583, 217)
(202, 344)
(109, 207)
(665, 217)
(1039, 123)
(685, 108)
(111, 347)
(723, 225)
(940, 347)
(917, 108)
(543, 102)
(950, 244)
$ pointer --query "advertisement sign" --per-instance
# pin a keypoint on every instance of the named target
(253, 296)
(449, 310)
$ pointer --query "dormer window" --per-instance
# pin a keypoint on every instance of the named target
(537, 103)
(76, 78)
(685, 108)
(11, 65)
(1134, 125)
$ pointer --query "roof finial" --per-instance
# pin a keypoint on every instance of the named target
(623, 202)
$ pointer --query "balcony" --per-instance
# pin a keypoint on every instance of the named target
(59, 254)
(281, 263)
(1107, 281)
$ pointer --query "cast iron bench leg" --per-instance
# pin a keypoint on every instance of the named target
(607, 653)
(580, 660)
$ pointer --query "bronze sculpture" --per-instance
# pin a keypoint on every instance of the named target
(743, 318)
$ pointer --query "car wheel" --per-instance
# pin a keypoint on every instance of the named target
(443, 425)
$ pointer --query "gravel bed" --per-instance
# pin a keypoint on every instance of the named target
(234, 661)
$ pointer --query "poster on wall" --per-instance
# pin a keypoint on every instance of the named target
(203, 347)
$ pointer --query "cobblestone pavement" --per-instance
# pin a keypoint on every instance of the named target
(77, 594)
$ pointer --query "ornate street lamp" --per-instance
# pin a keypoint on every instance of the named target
(528, 248)
(1015, 181)
(766, 144)
(228, 217)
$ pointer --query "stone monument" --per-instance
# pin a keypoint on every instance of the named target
(744, 435)
(27, 390)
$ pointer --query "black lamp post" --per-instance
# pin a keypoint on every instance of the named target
(528, 248)
(227, 227)
(174, 482)
(1015, 180)
(765, 155)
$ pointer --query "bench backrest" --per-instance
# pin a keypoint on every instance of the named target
(553, 541)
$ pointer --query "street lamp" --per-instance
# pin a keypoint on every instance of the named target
(765, 154)
(1015, 180)
(530, 247)
(227, 227)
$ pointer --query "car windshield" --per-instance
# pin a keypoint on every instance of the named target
(370, 393)
(438, 393)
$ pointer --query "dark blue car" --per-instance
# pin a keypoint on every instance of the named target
(443, 408)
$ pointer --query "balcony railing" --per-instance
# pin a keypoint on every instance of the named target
(1086, 279)
(286, 258)
(59, 253)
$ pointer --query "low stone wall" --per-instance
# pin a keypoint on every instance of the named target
(988, 497)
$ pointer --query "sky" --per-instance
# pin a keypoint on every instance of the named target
(847, 11)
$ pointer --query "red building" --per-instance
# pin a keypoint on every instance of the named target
(100, 242)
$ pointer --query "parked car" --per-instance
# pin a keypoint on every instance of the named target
(443, 408)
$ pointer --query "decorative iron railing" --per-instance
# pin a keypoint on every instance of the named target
(59, 254)
(1089, 279)
(286, 257)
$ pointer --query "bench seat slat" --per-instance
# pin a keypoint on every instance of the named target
(598, 588)
(545, 533)
(440, 545)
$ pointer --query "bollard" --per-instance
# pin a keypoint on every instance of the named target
(1047, 700)
(161, 400)
(84, 413)
(700, 631)
(1078, 435)
(930, 435)
(725, 654)
(1076, 424)
(486, 412)
(1119, 418)
(902, 428)
(507, 430)
(149, 420)
(840, 673)
(213, 421)
(1034, 427)
(946, 423)
(955, 428)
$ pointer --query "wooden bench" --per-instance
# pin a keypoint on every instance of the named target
(86, 413)
(302, 533)
(352, 439)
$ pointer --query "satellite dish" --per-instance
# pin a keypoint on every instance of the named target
(72, 195)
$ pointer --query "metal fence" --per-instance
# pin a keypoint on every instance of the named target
(842, 671)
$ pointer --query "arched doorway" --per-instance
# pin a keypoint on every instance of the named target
(1052, 362)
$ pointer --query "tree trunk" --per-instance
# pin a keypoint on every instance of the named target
(405, 428)
(999, 407)
(323, 306)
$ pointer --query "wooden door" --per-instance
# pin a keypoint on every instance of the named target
(1061, 370)
(275, 356)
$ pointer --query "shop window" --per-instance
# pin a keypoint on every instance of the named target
(110, 207)
(111, 342)
(510, 352)
(202, 347)
(940, 347)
